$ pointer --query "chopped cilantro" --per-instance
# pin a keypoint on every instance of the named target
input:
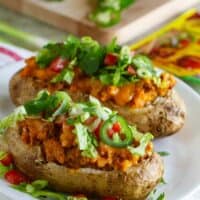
(108, 63)
(163, 153)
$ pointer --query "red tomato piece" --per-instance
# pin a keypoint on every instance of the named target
(110, 59)
(97, 130)
(7, 160)
(109, 198)
(15, 177)
(131, 70)
(110, 133)
(189, 62)
(58, 64)
(116, 127)
(184, 42)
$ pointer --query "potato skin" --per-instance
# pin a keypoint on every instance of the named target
(134, 184)
(165, 116)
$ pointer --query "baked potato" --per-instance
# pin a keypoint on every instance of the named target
(120, 80)
(164, 116)
(119, 163)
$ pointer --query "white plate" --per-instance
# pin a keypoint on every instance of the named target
(182, 167)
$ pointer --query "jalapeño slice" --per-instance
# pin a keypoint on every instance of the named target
(120, 139)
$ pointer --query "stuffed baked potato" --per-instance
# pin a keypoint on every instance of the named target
(120, 80)
(81, 148)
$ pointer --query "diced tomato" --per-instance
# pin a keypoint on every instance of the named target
(97, 130)
(131, 70)
(7, 160)
(110, 133)
(189, 62)
(184, 42)
(116, 127)
(15, 177)
(109, 198)
(58, 64)
(110, 59)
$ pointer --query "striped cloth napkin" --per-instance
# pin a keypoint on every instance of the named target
(10, 54)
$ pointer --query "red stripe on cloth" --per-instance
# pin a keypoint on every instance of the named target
(10, 53)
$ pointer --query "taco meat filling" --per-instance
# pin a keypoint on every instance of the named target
(134, 95)
(59, 144)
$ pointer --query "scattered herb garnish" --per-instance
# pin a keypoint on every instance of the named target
(162, 181)
(39, 189)
(163, 153)
(154, 196)
(161, 196)
(19, 181)
(111, 64)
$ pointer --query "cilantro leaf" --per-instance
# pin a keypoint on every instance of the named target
(162, 181)
(154, 196)
(70, 47)
(90, 55)
(106, 78)
(48, 53)
(163, 153)
(161, 196)
(113, 47)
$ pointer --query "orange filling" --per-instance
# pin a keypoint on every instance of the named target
(59, 145)
(135, 95)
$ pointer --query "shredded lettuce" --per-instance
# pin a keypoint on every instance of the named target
(77, 109)
(86, 141)
(100, 111)
(9, 121)
(144, 140)
(85, 110)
